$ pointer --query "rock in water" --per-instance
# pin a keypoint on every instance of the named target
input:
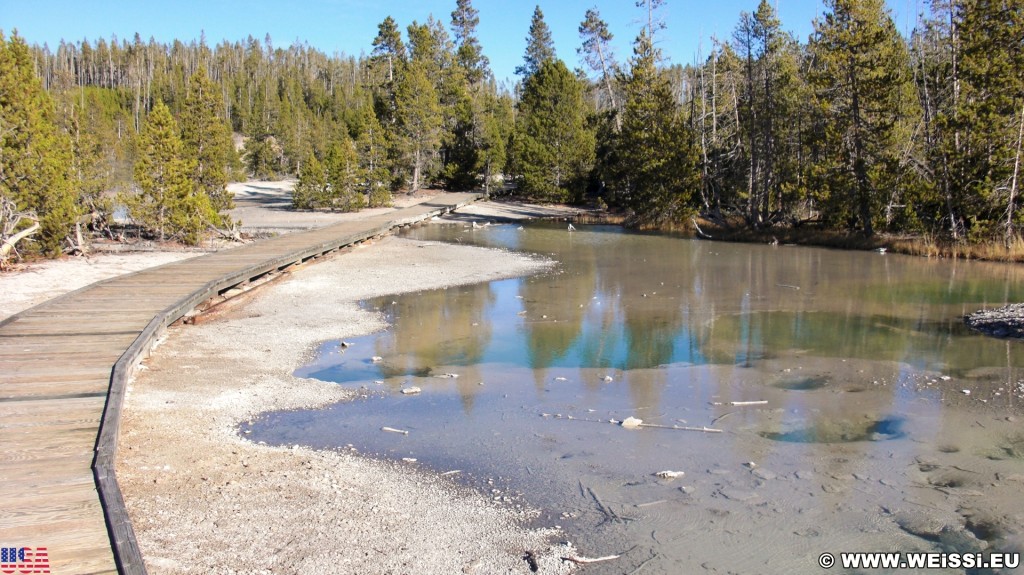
(1003, 322)
(411, 390)
(631, 422)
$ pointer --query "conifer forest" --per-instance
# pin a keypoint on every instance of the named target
(856, 128)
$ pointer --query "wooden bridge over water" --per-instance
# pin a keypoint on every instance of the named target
(64, 366)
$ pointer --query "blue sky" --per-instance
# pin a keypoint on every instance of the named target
(349, 26)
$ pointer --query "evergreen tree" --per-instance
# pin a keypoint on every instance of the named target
(831, 133)
(343, 177)
(168, 203)
(260, 153)
(654, 23)
(867, 105)
(371, 148)
(769, 71)
(496, 128)
(540, 47)
(35, 155)
(464, 96)
(469, 55)
(990, 114)
(597, 54)
(311, 191)
(553, 148)
(388, 48)
(937, 52)
(419, 119)
(206, 140)
(463, 142)
(657, 162)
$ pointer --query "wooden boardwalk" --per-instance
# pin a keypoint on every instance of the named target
(63, 368)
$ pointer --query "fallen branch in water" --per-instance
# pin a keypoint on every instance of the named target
(700, 232)
(393, 430)
(759, 402)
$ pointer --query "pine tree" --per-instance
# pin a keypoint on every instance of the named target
(990, 114)
(469, 54)
(769, 71)
(654, 23)
(463, 97)
(206, 140)
(259, 153)
(92, 174)
(371, 148)
(540, 47)
(597, 54)
(311, 191)
(388, 48)
(657, 162)
(497, 125)
(419, 119)
(168, 203)
(867, 106)
(343, 176)
(937, 53)
(553, 148)
(35, 155)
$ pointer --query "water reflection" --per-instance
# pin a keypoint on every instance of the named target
(857, 364)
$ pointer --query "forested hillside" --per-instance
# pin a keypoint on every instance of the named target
(855, 128)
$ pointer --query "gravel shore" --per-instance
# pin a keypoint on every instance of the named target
(203, 499)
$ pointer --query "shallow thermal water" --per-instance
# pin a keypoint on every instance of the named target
(878, 421)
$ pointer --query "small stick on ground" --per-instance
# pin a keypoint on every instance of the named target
(587, 560)
(720, 417)
(644, 564)
(738, 403)
(608, 513)
(681, 427)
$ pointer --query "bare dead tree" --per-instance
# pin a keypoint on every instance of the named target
(10, 220)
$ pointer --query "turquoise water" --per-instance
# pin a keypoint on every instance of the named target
(856, 364)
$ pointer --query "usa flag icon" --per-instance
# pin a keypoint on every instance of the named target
(24, 560)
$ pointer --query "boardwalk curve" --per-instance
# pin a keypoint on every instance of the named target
(65, 365)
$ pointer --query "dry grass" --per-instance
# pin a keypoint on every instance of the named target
(916, 245)
(995, 251)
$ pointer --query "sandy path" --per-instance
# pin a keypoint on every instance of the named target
(202, 499)
(266, 207)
